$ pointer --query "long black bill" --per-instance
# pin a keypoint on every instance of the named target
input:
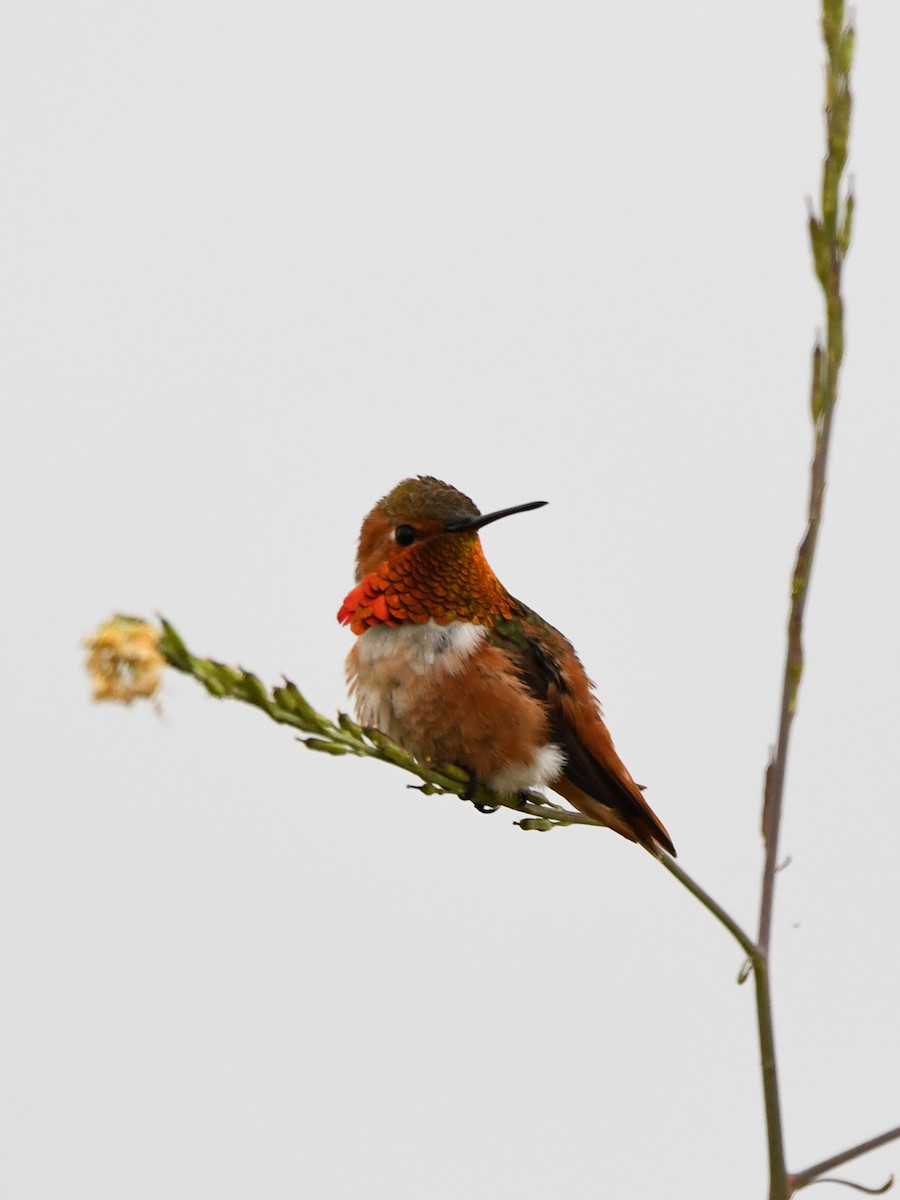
(469, 524)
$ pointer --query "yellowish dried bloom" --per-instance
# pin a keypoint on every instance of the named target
(124, 662)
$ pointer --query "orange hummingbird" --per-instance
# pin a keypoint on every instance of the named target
(455, 670)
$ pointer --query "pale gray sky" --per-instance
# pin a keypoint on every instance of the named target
(263, 261)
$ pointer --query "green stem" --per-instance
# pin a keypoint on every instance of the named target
(743, 939)
(779, 1187)
(830, 241)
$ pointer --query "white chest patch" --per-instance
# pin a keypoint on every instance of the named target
(420, 648)
(390, 664)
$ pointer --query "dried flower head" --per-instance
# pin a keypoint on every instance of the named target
(124, 662)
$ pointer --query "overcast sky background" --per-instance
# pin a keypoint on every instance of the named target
(264, 261)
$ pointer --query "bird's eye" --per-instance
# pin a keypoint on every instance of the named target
(404, 535)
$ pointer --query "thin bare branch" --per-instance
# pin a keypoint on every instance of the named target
(861, 1187)
(802, 1179)
(742, 938)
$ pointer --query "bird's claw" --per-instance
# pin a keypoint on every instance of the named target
(470, 792)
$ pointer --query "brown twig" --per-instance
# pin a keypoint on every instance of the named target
(802, 1179)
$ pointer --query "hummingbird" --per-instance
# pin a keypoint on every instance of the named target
(456, 670)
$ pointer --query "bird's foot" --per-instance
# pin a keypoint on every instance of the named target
(470, 793)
